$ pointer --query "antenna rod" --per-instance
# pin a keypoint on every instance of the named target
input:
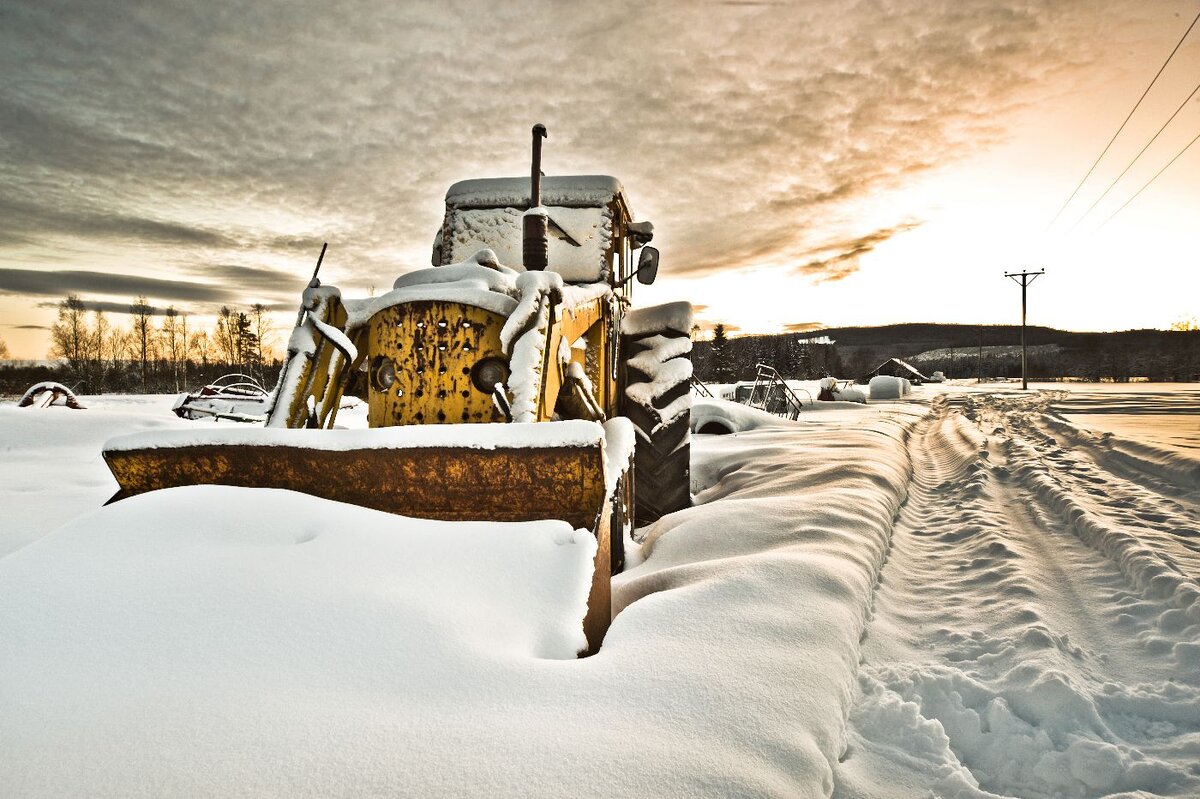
(312, 284)
(320, 258)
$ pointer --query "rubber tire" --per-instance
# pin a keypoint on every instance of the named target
(662, 456)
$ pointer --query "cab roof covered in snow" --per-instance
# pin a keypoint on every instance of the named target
(564, 191)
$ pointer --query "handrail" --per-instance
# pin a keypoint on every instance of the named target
(772, 394)
(701, 389)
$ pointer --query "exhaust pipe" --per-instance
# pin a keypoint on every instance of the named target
(534, 245)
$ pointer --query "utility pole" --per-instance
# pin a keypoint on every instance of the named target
(1025, 279)
(979, 362)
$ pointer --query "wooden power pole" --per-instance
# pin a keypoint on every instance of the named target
(1024, 278)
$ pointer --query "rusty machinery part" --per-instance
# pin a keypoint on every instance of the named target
(662, 457)
(46, 394)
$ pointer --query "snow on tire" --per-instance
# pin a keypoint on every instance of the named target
(658, 371)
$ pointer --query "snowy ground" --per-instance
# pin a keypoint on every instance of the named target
(968, 593)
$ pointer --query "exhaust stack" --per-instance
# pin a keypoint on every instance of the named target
(534, 246)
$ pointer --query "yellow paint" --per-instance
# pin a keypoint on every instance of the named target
(432, 346)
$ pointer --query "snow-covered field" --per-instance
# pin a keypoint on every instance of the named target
(968, 592)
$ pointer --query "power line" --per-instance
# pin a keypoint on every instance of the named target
(1123, 124)
(1136, 157)
(1151, 180)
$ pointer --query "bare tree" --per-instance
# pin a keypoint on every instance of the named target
(4, 353)
(263, 331)
(118, 346)
(69, 334)
(174, 339)
(184, 342)
(226, 336)
(97, 341)
(143, 335)
(200, 347)
(246, 343)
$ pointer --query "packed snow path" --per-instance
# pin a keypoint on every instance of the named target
(1037, 624)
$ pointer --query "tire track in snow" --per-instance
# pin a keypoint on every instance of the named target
(1001, 656)
(1147, 508)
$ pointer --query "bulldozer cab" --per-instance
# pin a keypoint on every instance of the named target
(591, 234)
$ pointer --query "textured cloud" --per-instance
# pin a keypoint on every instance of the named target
(191, 136)
(803, 327)
(108, 307)
(839, 259)
(77, 281)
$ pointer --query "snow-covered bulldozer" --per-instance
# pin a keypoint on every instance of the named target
(509, 382)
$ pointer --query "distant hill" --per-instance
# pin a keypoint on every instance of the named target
(955, 350)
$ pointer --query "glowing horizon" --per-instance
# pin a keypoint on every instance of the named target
(827, 163)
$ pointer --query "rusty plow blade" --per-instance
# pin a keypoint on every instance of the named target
(466, 472)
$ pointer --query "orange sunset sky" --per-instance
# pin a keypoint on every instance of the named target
(805, 163)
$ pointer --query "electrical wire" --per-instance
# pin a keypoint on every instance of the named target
(1136, 157)
(1126, 122)
(1151, 180)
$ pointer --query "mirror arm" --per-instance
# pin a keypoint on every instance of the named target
(627, 278)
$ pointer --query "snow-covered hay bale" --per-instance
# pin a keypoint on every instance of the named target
(887, 387)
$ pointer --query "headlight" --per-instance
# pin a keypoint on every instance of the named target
(383, 373)
(487, 373)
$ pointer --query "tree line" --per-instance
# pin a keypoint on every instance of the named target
(1157, 355)
(795, 357)
(96, 356)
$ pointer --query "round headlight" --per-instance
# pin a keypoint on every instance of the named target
(487, 373)
(383, 373)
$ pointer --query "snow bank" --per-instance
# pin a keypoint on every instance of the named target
(762, 590)
(710, 415)
(209, 640)
(50, 466)
(885, 387)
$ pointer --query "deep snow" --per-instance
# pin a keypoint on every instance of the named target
(959, 593)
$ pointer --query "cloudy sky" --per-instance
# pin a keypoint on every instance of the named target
(804, 163)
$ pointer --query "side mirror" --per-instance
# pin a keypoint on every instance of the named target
(647, 268)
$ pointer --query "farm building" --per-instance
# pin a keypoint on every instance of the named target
(894, 367)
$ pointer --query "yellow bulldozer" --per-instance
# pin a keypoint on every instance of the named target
(511, 381)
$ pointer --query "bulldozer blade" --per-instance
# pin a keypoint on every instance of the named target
(424, 472)
(453, 483)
